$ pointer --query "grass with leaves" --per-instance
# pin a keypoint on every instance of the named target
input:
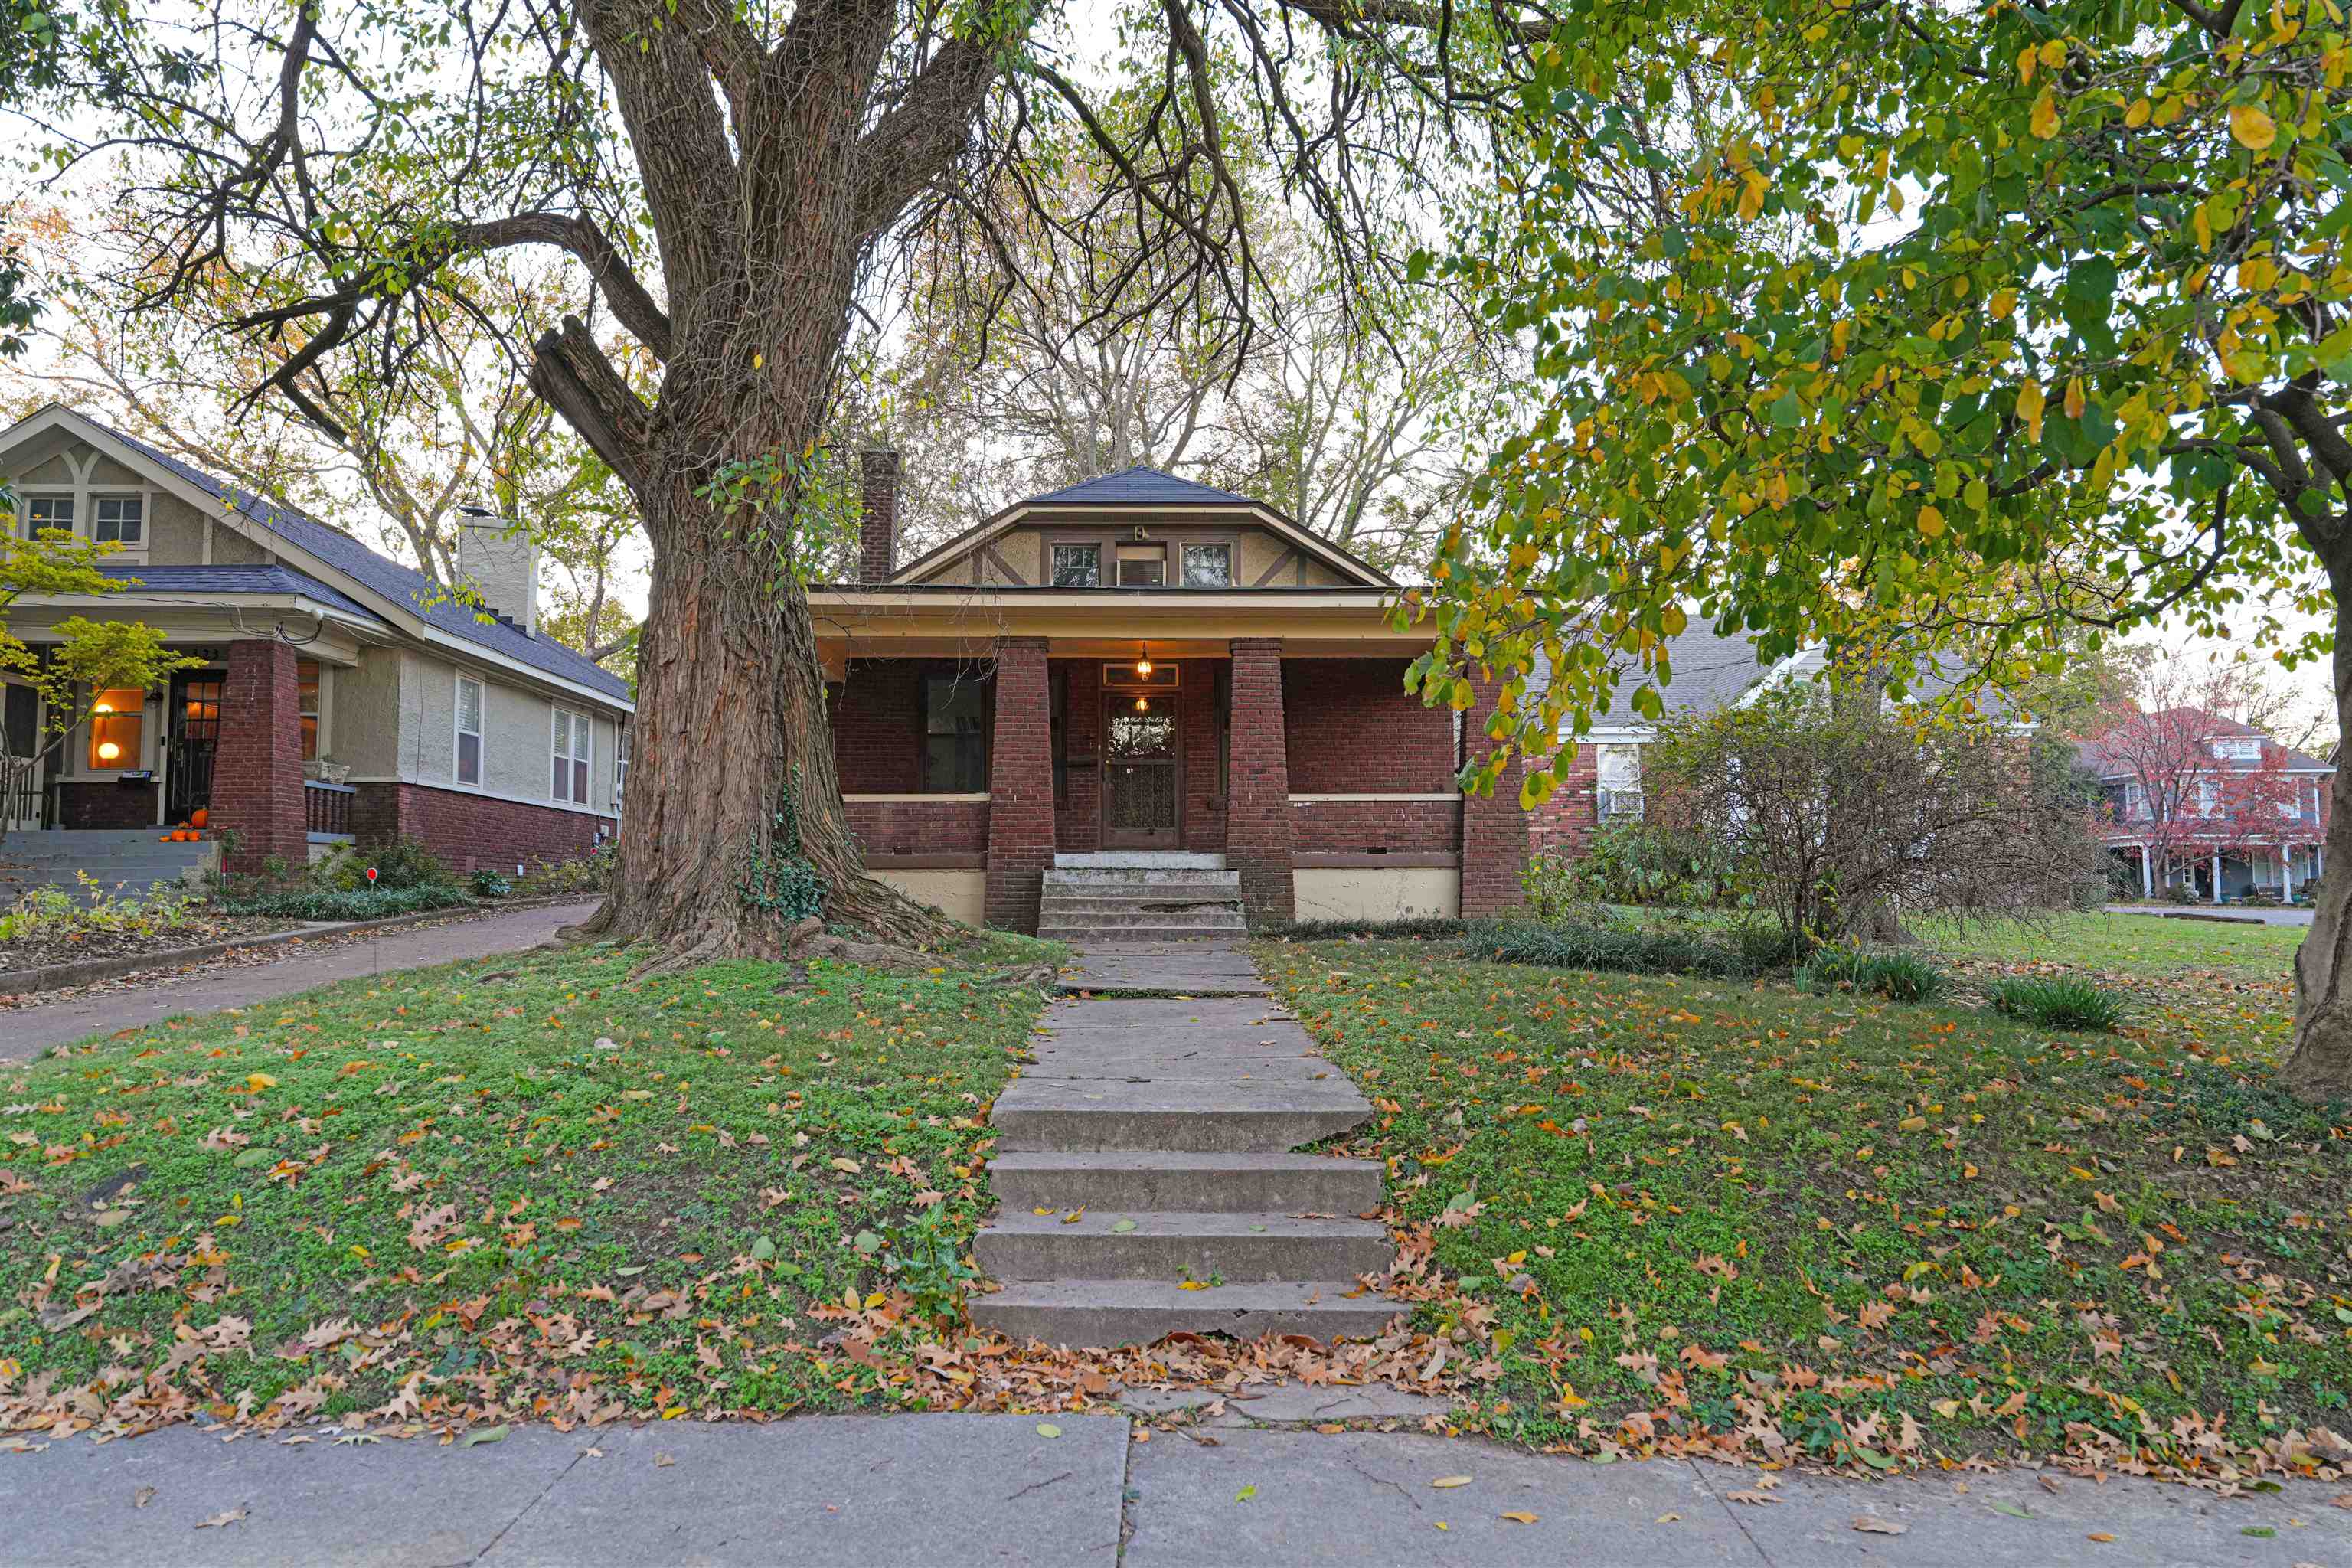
(1835, 1224)
(527, 1186)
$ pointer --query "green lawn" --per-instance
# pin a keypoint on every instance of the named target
(2138, 946)
(1683, 1207)
(524, 1186)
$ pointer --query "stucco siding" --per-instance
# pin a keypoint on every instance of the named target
(960, 895)
(54, 474)
(428, 718)
(1375, 892)
(231, 548)
(516, 743)
(175, 533)
(1259, 551)
(366, 729)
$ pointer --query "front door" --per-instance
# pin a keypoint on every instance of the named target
(1141, 785)
(195, 732)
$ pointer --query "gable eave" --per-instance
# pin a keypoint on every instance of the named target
(1361, 572)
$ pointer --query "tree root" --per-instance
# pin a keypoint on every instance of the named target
(704, 951)
(1041, 976)
(809, 939)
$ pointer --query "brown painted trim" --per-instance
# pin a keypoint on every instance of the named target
(1288, 555)
(1318, 860)
(975, 861)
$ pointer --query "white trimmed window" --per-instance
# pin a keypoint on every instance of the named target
(1618, 775)
(48, 511)
(119, 520)
(575, 751)
(469, 768)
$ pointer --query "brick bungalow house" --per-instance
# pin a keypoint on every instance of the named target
(343, 698)
(1144, 680)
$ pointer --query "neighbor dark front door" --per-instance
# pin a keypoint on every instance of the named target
(195, 734)
(1140, 778)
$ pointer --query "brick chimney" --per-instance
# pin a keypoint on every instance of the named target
(877, 537)
(500, 560)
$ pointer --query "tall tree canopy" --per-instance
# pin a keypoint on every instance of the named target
(727, 179)
(1957, 326)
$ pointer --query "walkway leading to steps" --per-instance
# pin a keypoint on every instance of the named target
(1145, 1168)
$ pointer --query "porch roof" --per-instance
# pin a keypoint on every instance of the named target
(231, 582)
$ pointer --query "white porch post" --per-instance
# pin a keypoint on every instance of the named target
(2286, 874)
(2217, 876)
(2146, 873)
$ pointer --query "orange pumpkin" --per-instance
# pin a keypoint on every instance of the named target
(167, 837)
(199, 817)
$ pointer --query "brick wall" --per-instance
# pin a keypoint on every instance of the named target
(1564, 824)
(1354, 730)
(1358, 827)
(257, 764)
(1077, 816)
(471, 831)
(877, 715)
(1201, 735)
(1019, 784)
(878, 531)
(108, 805)
(1257, 805)
(1494, 828)
(919, 827)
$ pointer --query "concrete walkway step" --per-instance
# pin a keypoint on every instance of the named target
(1203, 1183)
(1064, 1117)
(1178, 1245)
(1089, 933)
(1098, 1313)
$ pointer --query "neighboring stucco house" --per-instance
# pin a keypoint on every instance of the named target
(468, 730)
(1145, 668)
(2184, 808)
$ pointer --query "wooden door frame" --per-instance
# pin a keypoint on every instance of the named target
(1111, 700)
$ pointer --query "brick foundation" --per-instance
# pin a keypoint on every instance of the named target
(1019, 784)
(1493, 827)
(1257, 804)
(109, 805)
(1361, 826)
(472, 831)
(257, 762)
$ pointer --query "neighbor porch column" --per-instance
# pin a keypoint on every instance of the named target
(1257, 787)
(2217, 876)
(1019, 786)
(2286, 873)
(257, 762)
(1494, 826)
(2147, 872)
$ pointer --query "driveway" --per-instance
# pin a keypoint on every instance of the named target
(26, 1032)
(2237, 913)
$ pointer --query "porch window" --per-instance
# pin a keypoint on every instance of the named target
(1077, 566)
(306, 682)
(1618, 771)
(575, 749)
(955, 748)
(470, 732)
(118, 724)
(48, 511)
(1208, 566)
(1142, 566)
(120, 519)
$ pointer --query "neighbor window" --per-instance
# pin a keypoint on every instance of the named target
(306, 684)
(470, 732)
(1208, 566)
(119, 520)
(1142, 566)
(1077, 566)
(576, 748)
(117, 726)
(48, 511)
(955, 747)
(1618, 773)
(2135, 801)
(2239, 747)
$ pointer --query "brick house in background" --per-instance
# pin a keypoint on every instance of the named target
(1169, 688)
(2211, 805)
(468, 729)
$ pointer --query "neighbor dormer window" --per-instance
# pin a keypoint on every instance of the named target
(2239, 747)
(119, 520)
(48, 511)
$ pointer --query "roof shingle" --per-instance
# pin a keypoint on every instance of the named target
(1139, 486)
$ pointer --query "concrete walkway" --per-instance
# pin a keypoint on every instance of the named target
(1089, 1492)
(26, 1032)
(2237, 913)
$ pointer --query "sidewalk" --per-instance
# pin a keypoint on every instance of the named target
(877, 1491)
(26, 1032)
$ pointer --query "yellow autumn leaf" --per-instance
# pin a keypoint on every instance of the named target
(2137, 115)
(2252, 127)
(1931, 522)
(257, 1082)
(2028, 407)
(2074, 400)
(1520, 1517)
(2002, 304)
(2045, 115)
(1913, 1124)
(1447, 1482)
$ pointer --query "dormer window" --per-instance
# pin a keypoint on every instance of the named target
(1208, 566)
(1142, 565)
(119, 520)
(2239, 747)
(1077, 566)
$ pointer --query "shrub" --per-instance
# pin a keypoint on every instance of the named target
(403, 863)
(2180, 893)
(1402, 926)
(1897, 976)
(1580, 946)
(53, 912)
(589, 873)
(485, 883)
(2061, 1003)
(338, 904)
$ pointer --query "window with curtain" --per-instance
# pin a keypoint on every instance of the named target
(955, 745)
(118, 727)
(1208, 566)
(1618, 771)
(575, 750)
(305, 681)
(470, 732)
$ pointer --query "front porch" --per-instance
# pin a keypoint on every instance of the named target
(1310, 776)
(2215, 876)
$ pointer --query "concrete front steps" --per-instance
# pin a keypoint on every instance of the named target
(1147, 1184)
(134, 859)
(1143, 897)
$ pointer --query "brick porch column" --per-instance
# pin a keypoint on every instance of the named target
(1019, 786)
(1494, 828)
(1257, 790)
(257, 760)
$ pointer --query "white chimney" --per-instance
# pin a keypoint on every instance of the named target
(499, 560)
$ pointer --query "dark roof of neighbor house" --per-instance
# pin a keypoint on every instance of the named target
(1709, 670)
(238, 580)
(1139, 486)
(2205, 727)
(403, 585)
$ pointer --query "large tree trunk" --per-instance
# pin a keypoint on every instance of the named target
(2319, 1063)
